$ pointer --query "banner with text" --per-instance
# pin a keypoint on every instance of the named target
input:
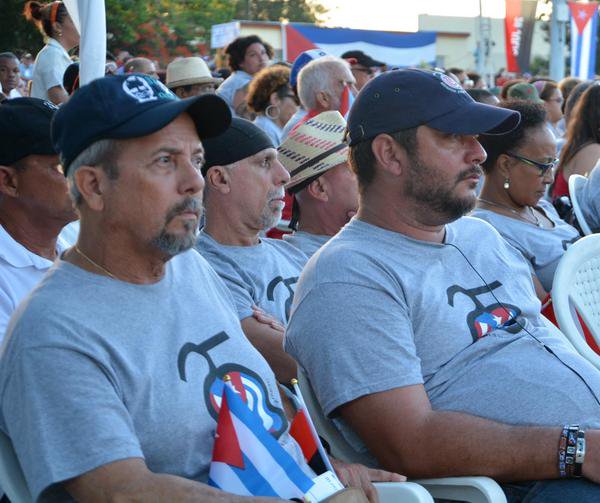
(519, 21)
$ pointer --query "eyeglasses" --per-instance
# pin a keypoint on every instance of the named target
(542, 166)
(369, 71)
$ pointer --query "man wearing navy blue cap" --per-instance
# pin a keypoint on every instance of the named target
(428, 322)
(113, 371)
(34, 200)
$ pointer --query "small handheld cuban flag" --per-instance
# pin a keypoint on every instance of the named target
(584, 28)
(249, 461)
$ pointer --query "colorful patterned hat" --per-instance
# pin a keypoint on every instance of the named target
(313, 148)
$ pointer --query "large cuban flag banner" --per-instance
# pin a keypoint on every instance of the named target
(394, 49)
(584, 29)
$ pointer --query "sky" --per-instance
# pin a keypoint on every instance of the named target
(402, 15)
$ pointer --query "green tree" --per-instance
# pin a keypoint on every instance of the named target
(161, 28)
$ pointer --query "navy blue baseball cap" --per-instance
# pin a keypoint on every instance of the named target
(25, 129)
(408, 98)
(129, 106)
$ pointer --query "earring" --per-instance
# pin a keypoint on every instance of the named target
(272, 112)
(506, 184)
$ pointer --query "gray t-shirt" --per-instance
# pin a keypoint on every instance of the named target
(98, 370)
(543, 248)
(306, 242)
(375, 310)
(264, 275)
(589, 200)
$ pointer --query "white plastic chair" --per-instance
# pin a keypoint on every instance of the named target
(576, 289)
(470, 489)
(12, 480)
(575, 183)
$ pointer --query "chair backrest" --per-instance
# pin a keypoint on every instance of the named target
(340, 448)
(12, 480)
(576, 289)
(575, 182)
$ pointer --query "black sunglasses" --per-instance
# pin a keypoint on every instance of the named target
(542, 166)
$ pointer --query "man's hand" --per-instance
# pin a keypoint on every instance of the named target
(259, 315)
(359, 476)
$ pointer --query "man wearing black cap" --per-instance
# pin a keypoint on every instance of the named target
(244, 197)
(34, 200)
(364, 67)
(104, 367)
(431, 318)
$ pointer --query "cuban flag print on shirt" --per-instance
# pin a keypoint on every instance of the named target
(247, 460)
(584, 27)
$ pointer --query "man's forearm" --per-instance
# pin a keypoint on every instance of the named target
(451, 443)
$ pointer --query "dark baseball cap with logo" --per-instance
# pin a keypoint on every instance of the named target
(408, 98)
(25, 129)
(129, 106)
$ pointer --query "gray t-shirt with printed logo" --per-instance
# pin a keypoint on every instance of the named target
(375, 310)
(542, 248)
(589, 200)
(264, 275)
(305, 241)
(98, 370)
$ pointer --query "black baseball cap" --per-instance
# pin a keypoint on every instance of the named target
(362, 59)
(129, 106)
(25, 129)
(404, 99)
(242, 139)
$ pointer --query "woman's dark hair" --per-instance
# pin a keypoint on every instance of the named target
(71, 78)
(273, 79)
(236, 50)
(574, 97)
(544, 86)
(533, 115)
(584, 124)
(45, 15)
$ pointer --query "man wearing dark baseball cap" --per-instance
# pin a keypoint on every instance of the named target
(364, 67)
(244, 197)
(104, 369)
(34, 200)
(469, 380)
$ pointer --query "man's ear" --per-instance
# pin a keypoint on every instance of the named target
(92, 182)
(323, 99)
(218, 178)
(392, 157)
(9, 181)
(318, 189)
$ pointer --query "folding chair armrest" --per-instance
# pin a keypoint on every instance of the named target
(472, 489)
(406, 492)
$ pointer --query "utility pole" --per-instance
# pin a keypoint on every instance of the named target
(558, 30)
(484, 43)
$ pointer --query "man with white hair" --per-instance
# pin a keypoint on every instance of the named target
(243, 197)
(326, 84)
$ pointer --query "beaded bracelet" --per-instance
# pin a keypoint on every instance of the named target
(562, 451)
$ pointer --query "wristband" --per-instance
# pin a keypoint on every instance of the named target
(579, 454)
(562, 452)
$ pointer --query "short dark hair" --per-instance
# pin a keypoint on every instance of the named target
(533, 115)
(8, 55)
(479, 95)
(362, 160)
(236, 50)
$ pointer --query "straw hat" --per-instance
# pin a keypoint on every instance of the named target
(188, 71)
(314, 147)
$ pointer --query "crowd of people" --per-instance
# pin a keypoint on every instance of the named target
(394, 232)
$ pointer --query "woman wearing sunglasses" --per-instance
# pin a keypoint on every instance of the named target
(518, 169)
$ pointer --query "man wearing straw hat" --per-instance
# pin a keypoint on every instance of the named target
(243, 198)
(188, 77)
(420, 327)
(324, 187)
